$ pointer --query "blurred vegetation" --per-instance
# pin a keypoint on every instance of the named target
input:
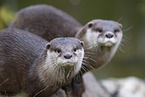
(131, 13)
(6, 16)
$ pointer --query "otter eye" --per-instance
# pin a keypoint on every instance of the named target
(58, 50)
(99, 30)
(75, 49)
(116, 30)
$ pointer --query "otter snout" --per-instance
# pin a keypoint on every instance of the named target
(67, 56)
(108, 39)
(109, 35)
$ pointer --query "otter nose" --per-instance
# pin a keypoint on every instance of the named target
(67, 56)
(109, 35)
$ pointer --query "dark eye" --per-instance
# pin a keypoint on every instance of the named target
(75, 49)
(58, 50)
(116, 30)
(99, 30)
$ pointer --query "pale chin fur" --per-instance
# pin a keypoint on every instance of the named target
(52, 68)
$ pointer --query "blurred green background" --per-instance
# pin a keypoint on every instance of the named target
(130, 58)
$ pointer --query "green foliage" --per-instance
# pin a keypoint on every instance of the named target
(6, 16)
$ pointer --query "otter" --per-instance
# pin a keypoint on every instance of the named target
(101, 37)
(46, 21)
(31, 64)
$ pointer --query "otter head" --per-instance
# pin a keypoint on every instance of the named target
(64, 56)
(65, 51)
(101, 33)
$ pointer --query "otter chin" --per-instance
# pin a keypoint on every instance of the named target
(68, 64)
(108, 44)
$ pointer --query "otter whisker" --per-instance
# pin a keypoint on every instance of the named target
(69, 73)
(90, 46)
(88, 62)
(90, 59)
(51, 71)
(125, 39)
(89, 53)
(78, 76)
(84, 68)
(51, 68)
(121, 48)
(4, 82)
(89, 66)
(43, 89)
(56, 74)
(128, 28)
(119, 20)
(60, 72)
(97, 48)
(51, 35)
(63, 73)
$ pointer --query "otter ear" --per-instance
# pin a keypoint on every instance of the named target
(82, 43)
(47, 46)
(120, 25)
(90, 25)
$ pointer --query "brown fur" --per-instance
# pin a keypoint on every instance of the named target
(94, 57)
(22, 54)
(45, 21)
(40, 19)
(16, 57)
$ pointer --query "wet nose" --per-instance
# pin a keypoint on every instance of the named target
(67, 56)
(109, 35)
